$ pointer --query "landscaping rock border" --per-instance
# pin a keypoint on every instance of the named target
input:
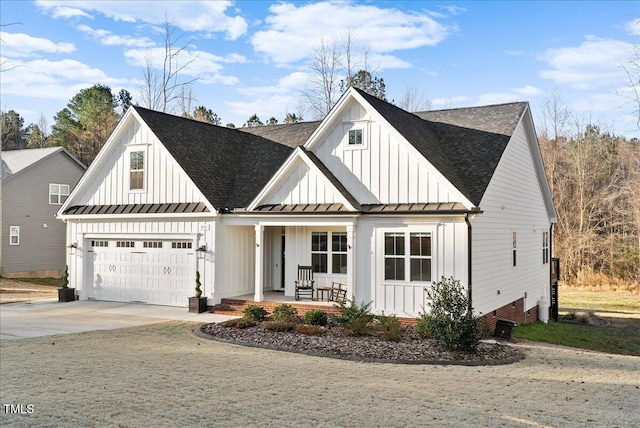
(411, 349)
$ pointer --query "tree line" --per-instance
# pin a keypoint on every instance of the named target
(594, 177)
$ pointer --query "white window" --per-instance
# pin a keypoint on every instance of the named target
(355, 137)
(407, 255)
(325, 258)
(339, 252)
(420, 256)
(545, 247)
(394, 256)
(136, 170)
(514, 239)
(14, 235)
(58, 193)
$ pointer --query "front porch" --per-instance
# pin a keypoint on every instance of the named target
(235, 305)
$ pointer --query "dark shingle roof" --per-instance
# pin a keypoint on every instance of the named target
(229, 167)
(289, 134)
(465, 145)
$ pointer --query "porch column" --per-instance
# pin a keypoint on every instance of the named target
(351, 260)
(259, 296)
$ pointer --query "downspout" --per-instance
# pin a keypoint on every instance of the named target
(469, 270)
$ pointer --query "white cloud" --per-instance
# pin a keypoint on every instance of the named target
(204, 66)
(450, 102)
(595, 62)
(19, 45)
(529, 91)
(69, 12)
(202, 16)
(293, 31)
(633, 27)
(273, 100)
(46, 79)
(454, 10)
(106, 37)
(513, 95)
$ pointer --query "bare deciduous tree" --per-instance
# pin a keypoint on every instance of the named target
(161, 89)
(322, 84)
(414, 100)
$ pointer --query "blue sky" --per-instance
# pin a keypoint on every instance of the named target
(253, 56)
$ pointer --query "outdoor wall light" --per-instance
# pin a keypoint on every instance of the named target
(72, 248)
(201, 252)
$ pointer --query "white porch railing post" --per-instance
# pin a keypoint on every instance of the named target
(259, 295)
(351, 260)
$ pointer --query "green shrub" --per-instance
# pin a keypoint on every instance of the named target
(450, 320)
(65, 277)
(358, 327)
(280, 325)
(285, 312)
(255, 312)
(198, 285)
(311, 330)
(422, 328)
(239, 323)
(316, 317)
(351, 311)
(390, 326)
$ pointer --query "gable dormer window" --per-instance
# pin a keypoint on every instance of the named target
(355, 137)
(136, 170)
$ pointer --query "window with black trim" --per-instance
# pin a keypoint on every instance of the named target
(545, 247)
(136, 170)
(514, 239)
(58, 193)
(99, 243)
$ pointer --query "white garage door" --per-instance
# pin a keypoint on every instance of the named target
(159, 272)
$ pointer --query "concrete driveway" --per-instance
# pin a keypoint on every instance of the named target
(48, 317)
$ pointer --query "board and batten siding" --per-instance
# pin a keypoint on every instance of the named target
(302, 186)
(406, 298)
(235, 261)
(164, 179)
(25, 203)
(385, 169)
(513, 202)
(197, 231)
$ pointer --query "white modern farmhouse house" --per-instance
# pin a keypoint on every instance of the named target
(375, 197)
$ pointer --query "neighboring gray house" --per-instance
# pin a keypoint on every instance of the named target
(35, 183)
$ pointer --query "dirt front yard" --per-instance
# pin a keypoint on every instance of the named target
(19, 291)
(163, 375)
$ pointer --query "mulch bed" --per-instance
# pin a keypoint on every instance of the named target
(336, 343)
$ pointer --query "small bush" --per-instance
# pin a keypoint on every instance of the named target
(358, 327)
(285, 312)
(316, 317)
(422, 327)
(239, 323)
(311, 330)
(390, 326)
(450, 320)
(352, 311)
(255, 312)
(280, 325)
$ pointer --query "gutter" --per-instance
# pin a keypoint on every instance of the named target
(469, 254)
